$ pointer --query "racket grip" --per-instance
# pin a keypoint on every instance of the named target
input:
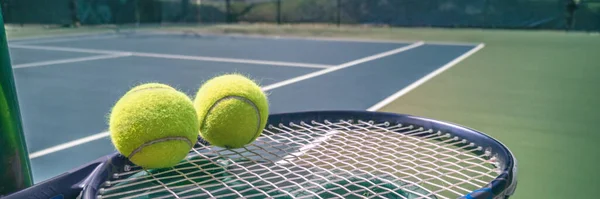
(66, 185)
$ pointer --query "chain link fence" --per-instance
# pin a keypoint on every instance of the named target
(506, 14)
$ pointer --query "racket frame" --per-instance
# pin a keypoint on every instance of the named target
(87, 179)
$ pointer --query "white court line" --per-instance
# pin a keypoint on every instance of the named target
(172, 56)
(81, 35)
(65, 49)
(335, 39)
(229, 60)
(414, 85)
(78, 37)
(338, 67)
(272, 86)
(64, 61)
(240, 35)
(68, 145)
(39, 38)
(66, 39)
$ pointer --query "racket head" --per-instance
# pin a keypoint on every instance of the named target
(501, 185)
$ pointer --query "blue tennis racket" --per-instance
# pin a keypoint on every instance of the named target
(321, 154)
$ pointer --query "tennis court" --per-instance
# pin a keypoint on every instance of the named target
(67, 85)
(534, 91)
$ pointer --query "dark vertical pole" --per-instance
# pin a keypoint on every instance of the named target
(339, 12)
(571, 7)
(484, 15)
(15, 172)
(136, 12)
(19, 10)
(228, 10)
(278, 11)
(6, 10)
(198, 13)
(74, 16)
(185, 8)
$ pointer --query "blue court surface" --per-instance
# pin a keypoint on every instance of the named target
(67, 85)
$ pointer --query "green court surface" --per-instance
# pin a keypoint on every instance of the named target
(535, 91)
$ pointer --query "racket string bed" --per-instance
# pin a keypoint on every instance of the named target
(339, 159)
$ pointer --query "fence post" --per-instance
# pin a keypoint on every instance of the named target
(228, 10)
(278, 11)
(339, 12)
(136, 12)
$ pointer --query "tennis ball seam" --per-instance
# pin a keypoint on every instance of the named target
(165, 139)
(243, 99)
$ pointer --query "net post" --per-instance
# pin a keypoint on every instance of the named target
(15, 170)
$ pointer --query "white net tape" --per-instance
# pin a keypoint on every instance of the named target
(344, 159)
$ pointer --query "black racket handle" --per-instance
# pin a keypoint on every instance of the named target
(67, 185)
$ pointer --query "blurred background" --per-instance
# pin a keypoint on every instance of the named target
(513, 14)
(525, 72)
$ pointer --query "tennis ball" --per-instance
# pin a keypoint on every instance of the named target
(232, 111)
(154, 125)
(149, 86)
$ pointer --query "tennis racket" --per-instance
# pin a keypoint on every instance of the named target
(321, 154)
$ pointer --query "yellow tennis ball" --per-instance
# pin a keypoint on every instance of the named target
(232, 111)
(149, 86)
(154, 125)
